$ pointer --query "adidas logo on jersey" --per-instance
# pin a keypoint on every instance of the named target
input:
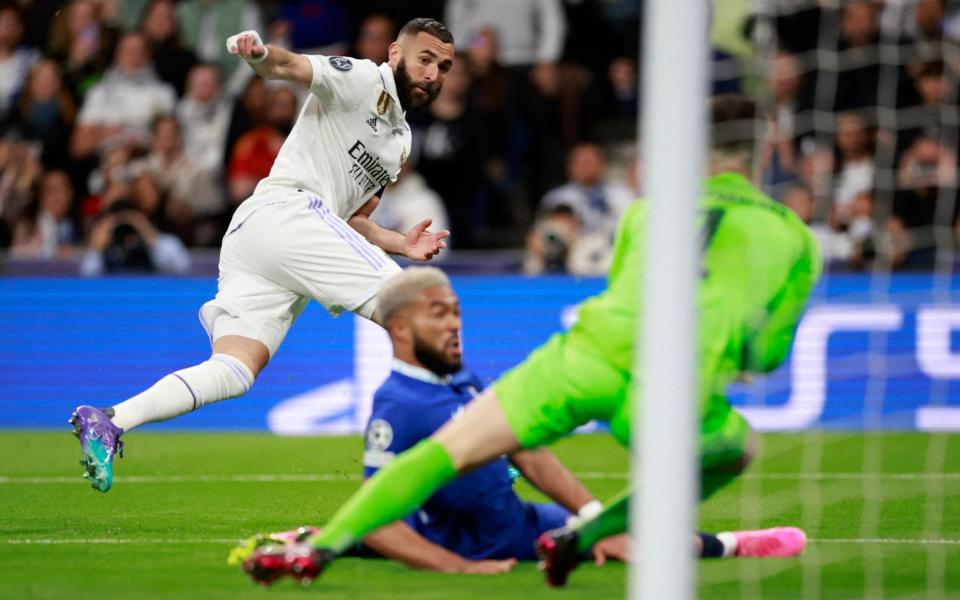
(372, 122)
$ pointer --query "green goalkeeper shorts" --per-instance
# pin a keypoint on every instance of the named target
(565, 384)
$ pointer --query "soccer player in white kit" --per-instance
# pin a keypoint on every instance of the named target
(306, 232)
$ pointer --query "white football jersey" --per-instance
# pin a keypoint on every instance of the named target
(350, 138)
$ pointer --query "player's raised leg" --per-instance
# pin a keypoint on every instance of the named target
(230, 371)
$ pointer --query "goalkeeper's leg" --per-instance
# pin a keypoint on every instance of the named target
(476, 437)
(725, 453)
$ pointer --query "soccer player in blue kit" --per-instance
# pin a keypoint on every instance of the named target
(476, 524)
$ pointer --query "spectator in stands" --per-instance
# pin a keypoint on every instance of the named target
(374, 37)
(313, 26)
(852, 244)
(49, 232)
(610, 105)
(193, 195)
(129, 14)
(933, 92)
(622, 75)
(816, 167)
(148, 199)
(247, 113)
(124, 240)
(930, 83)
(107, 184)
(550, 240)
(15, 60)
(790, 102)
(408, 201)
(578, 220)
(929, 16)
(252, 156)
(45, 112)
(81, 44)
(171, 60)
(799, 198)
(858, 81)
(530, 38)
(926, 200)
(205, 25)
(489, 88)
(121, 108)
(855, 146)
(443, 138)
(596, 202)
(19, 173)
(861, 228)
(529, 32)
(501, 215)
(204, 114)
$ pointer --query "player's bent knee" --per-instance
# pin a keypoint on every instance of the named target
(236, 377)
(253, 354)
(479, 434)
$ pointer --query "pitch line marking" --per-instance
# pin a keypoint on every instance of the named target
(332, 477)
(252, 478)
(922, 542)
(803, 476)
(171, 541)
(115, 541)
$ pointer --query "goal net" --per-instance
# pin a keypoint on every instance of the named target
(857, 429)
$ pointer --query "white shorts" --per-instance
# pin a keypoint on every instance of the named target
(281, 250)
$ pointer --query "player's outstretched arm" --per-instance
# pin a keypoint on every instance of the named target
(417, 244)
(546, 473)
(399, 541)
(269, 61)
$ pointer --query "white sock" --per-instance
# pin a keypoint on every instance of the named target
(219, 378)
(729, 542)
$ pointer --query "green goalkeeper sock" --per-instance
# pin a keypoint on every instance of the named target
(392, 493)
(611, 521)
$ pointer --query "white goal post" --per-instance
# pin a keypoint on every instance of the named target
(673, 125)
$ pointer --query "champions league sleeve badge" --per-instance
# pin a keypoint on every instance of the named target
(341, 63)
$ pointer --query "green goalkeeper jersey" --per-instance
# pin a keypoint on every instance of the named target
(759, 264)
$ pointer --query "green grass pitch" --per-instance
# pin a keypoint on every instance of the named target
(868, 502)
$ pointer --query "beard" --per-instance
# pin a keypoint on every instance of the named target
(406, 87)
(434, 360)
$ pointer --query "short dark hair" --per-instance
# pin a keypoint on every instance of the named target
(733, 120)
(431, 26)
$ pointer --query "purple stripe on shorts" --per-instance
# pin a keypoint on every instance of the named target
(347, 234)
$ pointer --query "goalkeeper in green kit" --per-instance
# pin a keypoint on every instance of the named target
(759, 265)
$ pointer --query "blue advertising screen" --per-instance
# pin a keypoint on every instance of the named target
(874, 354)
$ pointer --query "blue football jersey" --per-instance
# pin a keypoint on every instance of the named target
(478, 515)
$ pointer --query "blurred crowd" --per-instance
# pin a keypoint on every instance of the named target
(865, 127)
(128, 134)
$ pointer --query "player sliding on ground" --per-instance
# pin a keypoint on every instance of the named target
(759, 264)
(306, 232)
(476, 524)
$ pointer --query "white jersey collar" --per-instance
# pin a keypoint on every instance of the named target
(418, 373)
(390, 84)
